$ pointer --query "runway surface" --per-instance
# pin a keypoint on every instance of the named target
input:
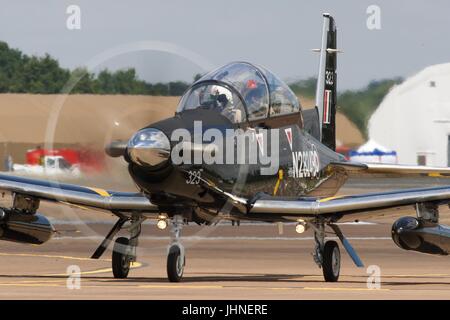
(224, 262)
(253, 261)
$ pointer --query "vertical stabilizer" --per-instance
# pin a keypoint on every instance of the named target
(326, 83)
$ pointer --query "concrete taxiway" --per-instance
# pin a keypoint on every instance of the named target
(223, 262)
(252, 261)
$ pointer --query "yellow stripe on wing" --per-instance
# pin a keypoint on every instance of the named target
(331, 198)
(100, 191)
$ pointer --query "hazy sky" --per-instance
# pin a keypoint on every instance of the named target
(277, 34)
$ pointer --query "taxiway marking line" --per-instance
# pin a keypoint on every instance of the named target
(49, 256)
(416, 275)
(35, 281)
(62, 283)
(188, 287)
(344, 289)
(157, 286)
(134, 265)
(30, 285)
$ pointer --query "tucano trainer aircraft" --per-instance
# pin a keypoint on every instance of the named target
(239, 147)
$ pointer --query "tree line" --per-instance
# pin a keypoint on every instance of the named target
(21, 73)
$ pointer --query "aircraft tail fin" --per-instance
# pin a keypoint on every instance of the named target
(326, 83)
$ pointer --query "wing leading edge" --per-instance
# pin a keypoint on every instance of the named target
(381, 168)
(347, 205)
(93, 198)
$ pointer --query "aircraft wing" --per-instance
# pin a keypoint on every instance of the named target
(75, 195)
(381, 168)
(352, 207)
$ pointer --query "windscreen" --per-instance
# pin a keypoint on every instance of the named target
(214, 97)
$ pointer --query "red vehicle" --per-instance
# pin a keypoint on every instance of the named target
(344, 151)
(87, 159)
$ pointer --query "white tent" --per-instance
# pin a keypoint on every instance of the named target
(373, 152)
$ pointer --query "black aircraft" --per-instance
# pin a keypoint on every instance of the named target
(239, 147)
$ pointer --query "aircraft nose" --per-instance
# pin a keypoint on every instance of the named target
(149, 147)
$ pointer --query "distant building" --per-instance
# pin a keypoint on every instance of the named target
(414, 118)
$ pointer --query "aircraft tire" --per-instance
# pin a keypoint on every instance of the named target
(120, 260)
(175, 267)
(331, 265)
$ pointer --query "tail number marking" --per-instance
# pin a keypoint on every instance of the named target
(305, 164)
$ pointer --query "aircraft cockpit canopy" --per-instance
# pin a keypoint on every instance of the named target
(241, 92)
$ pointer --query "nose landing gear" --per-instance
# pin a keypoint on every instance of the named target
(176, 259)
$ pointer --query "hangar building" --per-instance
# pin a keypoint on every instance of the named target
(414, 118)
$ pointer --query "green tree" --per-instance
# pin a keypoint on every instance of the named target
(359, 105)
(197, 76)
(305, 88)
(177, 88)
(43, 75)
(125, 80)
(105, 82)
(85, 81)
(11, 61)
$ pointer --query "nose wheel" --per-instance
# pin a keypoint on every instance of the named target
(175, 263)
(175, 258)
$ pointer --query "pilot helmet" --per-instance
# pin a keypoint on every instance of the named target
(223, 95)
(255, 92)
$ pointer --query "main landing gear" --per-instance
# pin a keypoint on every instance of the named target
(121, 258)
(124, 251)
(176, 259)
(327, 254)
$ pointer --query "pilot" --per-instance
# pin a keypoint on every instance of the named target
(226, 105)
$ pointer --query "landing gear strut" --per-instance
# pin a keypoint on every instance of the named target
(175, 258)
(326, 254)
(124, 252)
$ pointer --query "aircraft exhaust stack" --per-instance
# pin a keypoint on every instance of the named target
(116, 148)
(410, 233)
